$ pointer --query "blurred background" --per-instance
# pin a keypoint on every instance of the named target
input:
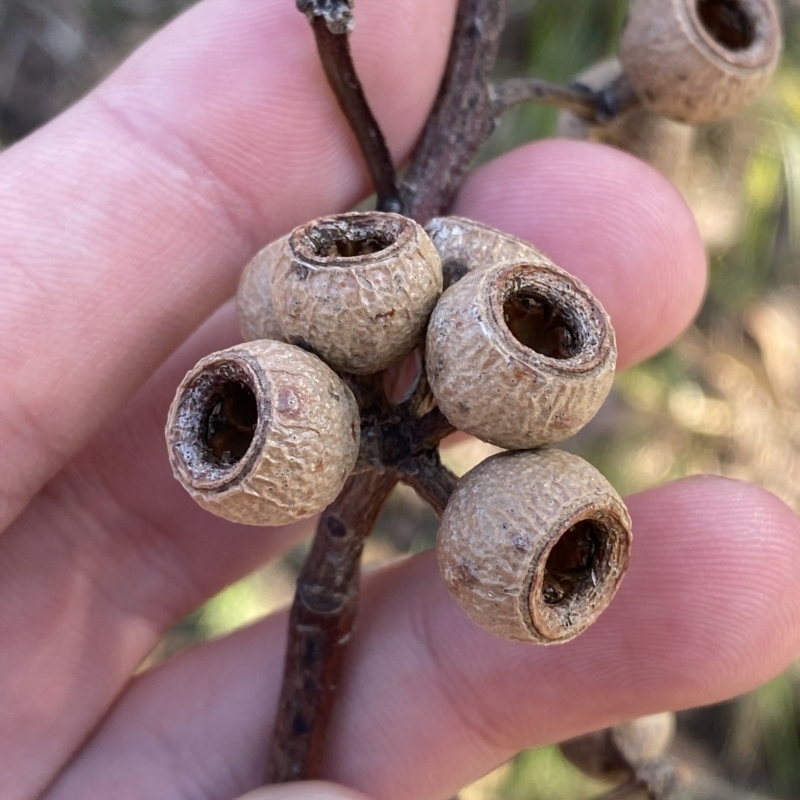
(724, 399)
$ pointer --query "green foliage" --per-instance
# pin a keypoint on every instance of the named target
(546, 775)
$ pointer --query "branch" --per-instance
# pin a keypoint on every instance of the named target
(429, 430)
(396, 443)
(331, 21)
(599, 107)
(462, 118)
(513, 91)
(320, 625)
(430, 479)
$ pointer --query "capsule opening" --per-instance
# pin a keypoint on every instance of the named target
(538, 324)
(574, 563)
(727, 22)
(357, 238)
(350, 248)
(229, 423)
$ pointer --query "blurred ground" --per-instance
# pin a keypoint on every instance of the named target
(724, 399)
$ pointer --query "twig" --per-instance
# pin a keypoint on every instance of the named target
(395, 445)
(331, 21)
(400, 442)
(461, 119)
(320, 624)
(430, 429)
(430, 479)
(513, 91)
(601, 107)
(616, 100)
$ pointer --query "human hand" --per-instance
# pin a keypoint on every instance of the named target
(125, 225)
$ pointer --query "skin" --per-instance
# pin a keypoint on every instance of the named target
(125, 225)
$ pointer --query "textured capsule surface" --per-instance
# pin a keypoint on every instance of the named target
(263, 433)
(520, 355)
(533, 545)
(357, 289)
(700, 60)
(254, 308)
(465, 245)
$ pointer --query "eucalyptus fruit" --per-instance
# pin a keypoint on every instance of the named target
(263, 433)
(254, 308)
(662, 142)
(533, 544)
(465, 244)
(520, 354)
(357, 288)
(698, 61)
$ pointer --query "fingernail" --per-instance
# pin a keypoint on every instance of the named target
(314, 790)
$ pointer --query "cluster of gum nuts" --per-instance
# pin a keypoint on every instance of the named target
(517, 352)
(533, 542)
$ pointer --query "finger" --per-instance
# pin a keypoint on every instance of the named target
(99, 579)
(710, 608)
(155, 555)
(126, 221)
(609, 219)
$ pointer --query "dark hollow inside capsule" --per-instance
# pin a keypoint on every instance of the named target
(727, 22)
(229, 423)
(574, 563)
(335, 240)
(350, 248)
(539, 325)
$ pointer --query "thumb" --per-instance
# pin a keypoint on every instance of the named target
(313, 790)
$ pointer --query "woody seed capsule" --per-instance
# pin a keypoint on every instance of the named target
(700, 60)
(520, 355)
(614, 754)
(357, 289)
(254, 308)
(465, 245)
(263, 433)
(533, 545)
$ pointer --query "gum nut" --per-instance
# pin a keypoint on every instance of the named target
(520, 355)
(263, 433)
(357, 289)
(700, 61)
(533, 545)
(614, 753)
(660, 142)
(254, 308)
(464, 245)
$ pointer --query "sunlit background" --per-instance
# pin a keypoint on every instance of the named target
(724, 399)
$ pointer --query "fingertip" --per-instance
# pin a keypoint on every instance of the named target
(739, 625)
(609, 219)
